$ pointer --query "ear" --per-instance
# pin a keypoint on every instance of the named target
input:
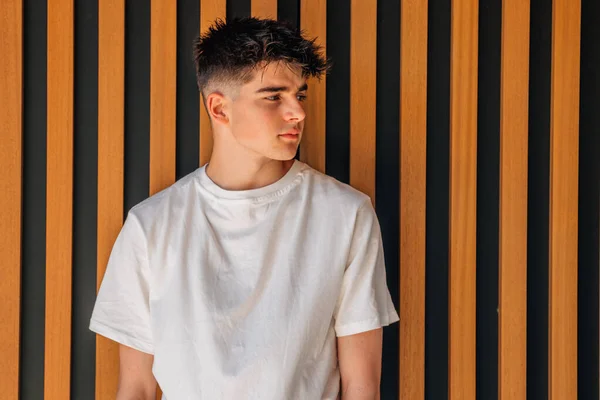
(217, 106)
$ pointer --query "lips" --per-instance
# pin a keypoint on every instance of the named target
(294, 134)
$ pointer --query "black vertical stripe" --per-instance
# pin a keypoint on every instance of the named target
(289, 11)
(488, 183)
(589, 203)
(337, 104)
(188, 101)
(137, 103)
(238, 8)
(538, 199)
(33, 275)
(438, 192)
(388, 173)
(85, 195)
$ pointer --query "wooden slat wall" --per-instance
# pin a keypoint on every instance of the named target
(363, 67)
(59, 200)
(210, 10)
(512, 280)
(264, 8)
(111, 158)
(463, 193)
(514, 114)
(313, 19)
(163, 84)
(413, 155)
(163, 95)
(11, 40)
(564, 154)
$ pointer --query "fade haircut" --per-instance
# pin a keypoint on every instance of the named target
(230, 52)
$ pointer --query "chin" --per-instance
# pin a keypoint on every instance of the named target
(282, 156)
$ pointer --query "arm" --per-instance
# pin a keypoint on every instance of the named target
(136, 381)
(359, 358)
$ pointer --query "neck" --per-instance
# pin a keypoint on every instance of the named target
(236, 174)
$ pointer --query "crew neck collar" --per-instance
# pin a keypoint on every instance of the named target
(274, 189)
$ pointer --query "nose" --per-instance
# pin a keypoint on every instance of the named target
(295, 112)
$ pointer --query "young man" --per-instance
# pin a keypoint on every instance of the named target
(255, 276)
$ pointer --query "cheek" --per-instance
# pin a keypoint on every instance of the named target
(262, 118)
(267, 112)
(253, 123)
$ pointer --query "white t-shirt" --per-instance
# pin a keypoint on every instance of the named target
(241, 294)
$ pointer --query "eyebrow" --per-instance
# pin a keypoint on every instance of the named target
(275, 89)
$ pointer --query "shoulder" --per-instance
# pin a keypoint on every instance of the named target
(163, 204)
(330, 191)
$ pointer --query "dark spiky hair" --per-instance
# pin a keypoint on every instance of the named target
(230, 51)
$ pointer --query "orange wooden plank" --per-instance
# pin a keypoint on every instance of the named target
(363, 64)
(313, 19)
(463, 198)
(11, 39)
(111, 105)
(210, 10)
(512, 318)
(59, 201)
(413, 162)
(163, 91)
(163, 84)
(264, 8)
(564, 155)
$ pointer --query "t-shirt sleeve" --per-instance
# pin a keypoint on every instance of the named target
(122, 309)
(364, 302)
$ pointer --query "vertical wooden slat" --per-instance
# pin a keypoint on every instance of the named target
(111, 122)
(11, 39)
(463, 196)
(363, 64)
(264, 8)
(163, 83)
(313, 19)
(512, 319)
(413, 157)
(563, 226)
(163, 96)
(59, 201)
(210, 10)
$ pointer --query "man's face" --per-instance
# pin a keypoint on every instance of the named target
(268, 107)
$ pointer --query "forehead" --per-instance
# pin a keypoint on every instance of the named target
(277, 73)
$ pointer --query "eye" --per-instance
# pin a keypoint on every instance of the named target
(301, 97)
(273, 98)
